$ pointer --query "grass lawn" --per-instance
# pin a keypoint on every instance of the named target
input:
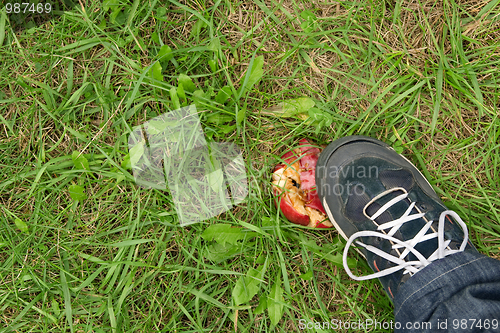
(110, 256)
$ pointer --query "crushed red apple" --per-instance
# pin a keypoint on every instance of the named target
(295, 187)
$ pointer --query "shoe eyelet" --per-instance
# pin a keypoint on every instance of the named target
(423, 206)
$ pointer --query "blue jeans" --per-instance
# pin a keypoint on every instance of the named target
(460, 293)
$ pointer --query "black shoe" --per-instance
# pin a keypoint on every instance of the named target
(373, 194)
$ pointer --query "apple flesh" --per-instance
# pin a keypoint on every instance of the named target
(294, 187)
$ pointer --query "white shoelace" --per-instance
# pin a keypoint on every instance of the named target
(410, 267)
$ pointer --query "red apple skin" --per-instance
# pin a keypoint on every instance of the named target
(307, 157)
(290, 213)
(308, 167)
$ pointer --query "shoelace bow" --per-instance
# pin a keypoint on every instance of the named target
(410, 267)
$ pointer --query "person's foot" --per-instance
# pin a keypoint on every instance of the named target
(379, 202)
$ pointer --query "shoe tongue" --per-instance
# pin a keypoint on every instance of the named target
(408, 230)
(393, 212)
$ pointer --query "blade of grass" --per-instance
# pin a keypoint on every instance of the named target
(68, 310)
(439, 91)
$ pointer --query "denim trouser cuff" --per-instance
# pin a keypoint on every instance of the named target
(451, 295)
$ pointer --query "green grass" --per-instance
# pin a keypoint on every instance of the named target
(421, 76)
